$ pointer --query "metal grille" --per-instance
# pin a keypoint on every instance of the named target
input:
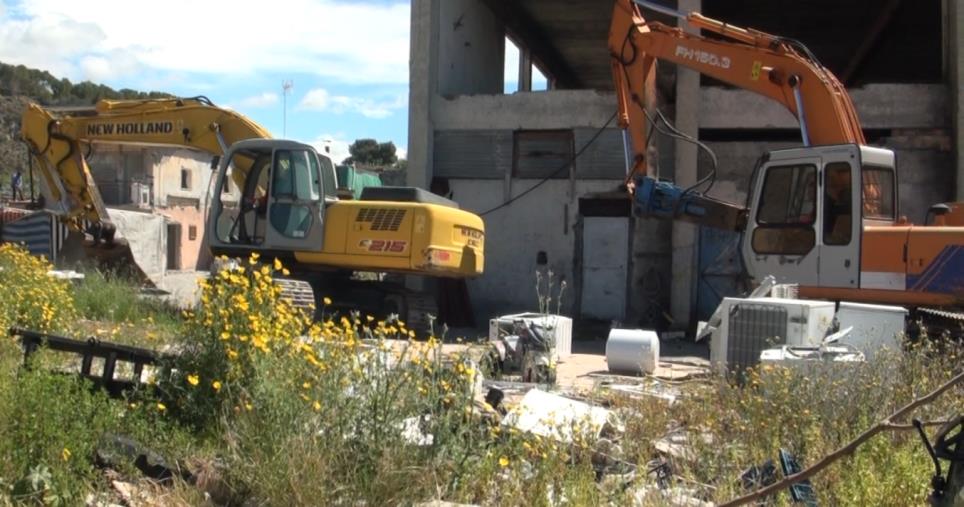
(381, 219)
(753, 328)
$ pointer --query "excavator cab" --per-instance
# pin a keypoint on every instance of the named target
(271, 195)
(808, 207)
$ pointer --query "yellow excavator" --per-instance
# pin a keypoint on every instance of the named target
(284, 203)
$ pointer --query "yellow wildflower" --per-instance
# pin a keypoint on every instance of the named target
(316, 406)
(193, 380)
(503, 461)
(216, 385)
(65, 454)
(327, 301)
(161, 407)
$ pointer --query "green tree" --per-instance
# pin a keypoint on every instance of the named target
(369, 152)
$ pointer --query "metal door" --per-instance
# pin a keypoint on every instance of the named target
(605, 250)
(295, 208)
(840, 217)
(721, 272)
(781, 237)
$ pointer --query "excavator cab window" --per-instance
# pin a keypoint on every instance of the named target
(837, 204)
(878, 193)
(242, 221)
(329, 179)
(787, 211)
(295, 183)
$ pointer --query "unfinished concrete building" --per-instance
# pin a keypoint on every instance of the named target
(490, 146)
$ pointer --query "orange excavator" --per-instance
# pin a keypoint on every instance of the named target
(825, 215)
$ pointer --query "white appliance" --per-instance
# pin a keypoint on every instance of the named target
(750, 326)
(560, 326)
(141, 195)
(874, 327)
(632, 351)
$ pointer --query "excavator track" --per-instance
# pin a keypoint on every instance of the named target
(298, 292)
(417, 309)
(422, 311)
(941, 323)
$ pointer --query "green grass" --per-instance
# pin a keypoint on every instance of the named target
(113, 308)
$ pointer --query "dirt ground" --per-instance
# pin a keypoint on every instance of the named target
(580, 371)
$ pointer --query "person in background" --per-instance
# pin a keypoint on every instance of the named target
(16, 185)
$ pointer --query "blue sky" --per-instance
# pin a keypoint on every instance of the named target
(347, 60)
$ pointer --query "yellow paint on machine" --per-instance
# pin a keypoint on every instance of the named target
(402, 237)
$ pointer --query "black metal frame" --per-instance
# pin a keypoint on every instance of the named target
(92, 348)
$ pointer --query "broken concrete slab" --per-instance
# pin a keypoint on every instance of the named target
(412, 432)
(639, 391)
(557, 417)
(678, 444)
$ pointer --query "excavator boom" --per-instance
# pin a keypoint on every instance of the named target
(57, 140)
(775, 67)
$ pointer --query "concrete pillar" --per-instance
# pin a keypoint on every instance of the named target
(954, 41)
(685, 236)
(525, 70)
(423, 84)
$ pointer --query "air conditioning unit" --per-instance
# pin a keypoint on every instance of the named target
(750, 326)
(561, 326)
(141, 195)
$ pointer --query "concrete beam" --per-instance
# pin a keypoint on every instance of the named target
(878, 105)
(526, 31)
(558, 109)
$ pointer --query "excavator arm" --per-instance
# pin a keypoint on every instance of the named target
(775, 67)
(58, 140)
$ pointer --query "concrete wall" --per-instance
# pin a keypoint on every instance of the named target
(880, 106)
(529, 110)
(167, 166)
(146, 234)
(545, 220)
(189, 217)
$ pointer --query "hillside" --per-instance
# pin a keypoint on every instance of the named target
(20, 85)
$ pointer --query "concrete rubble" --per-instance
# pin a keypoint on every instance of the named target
(557, 417)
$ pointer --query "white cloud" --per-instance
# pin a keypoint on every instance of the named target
(319, 99)
(259, 101)
(336, 146)
(347, 41)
